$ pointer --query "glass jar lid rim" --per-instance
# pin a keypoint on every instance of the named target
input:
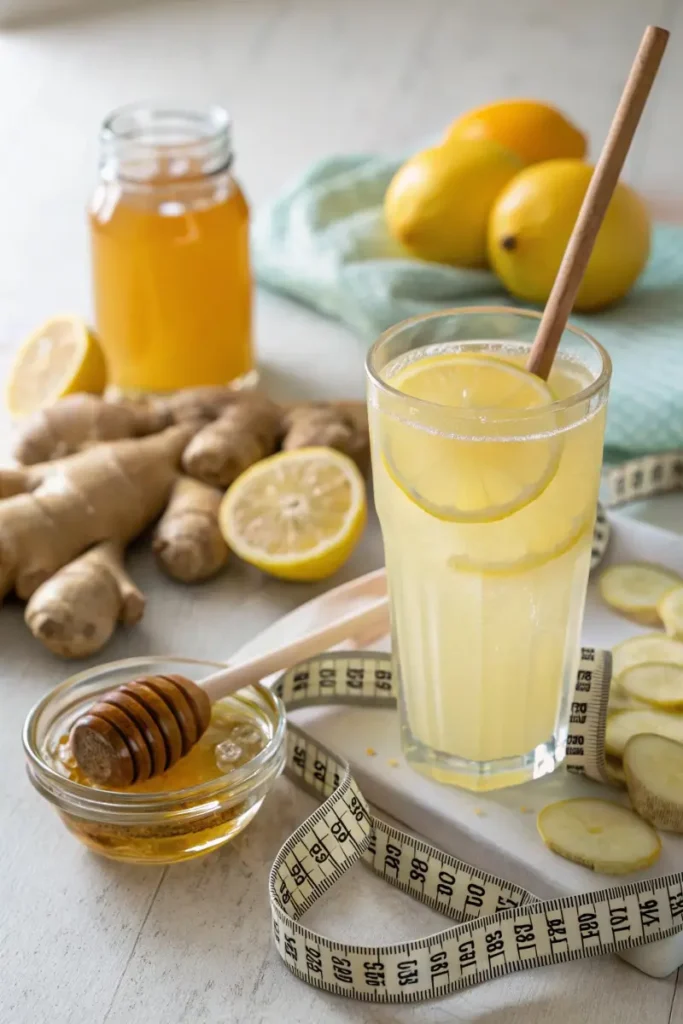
(155, 145)
(128, 121)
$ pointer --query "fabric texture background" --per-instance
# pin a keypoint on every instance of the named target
(323, 242)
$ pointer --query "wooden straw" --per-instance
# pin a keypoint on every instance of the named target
(596, 201)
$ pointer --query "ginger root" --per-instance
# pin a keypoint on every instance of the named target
(79, 420)
(76, 611)
(108, 492)
(340, 425)
(64, 524)
(200, 404)
(188, 542)
(248, 430)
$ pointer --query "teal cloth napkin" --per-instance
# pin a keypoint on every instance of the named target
(324, 243)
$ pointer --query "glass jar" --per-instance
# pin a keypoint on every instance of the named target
(167, 825)
(169, 229)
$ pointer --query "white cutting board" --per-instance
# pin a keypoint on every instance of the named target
(497, 832)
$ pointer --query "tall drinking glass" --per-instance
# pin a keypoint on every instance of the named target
(486, 483)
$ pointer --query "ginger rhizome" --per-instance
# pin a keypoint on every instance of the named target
(96, 472)
(188, 542)
(75, 612)
(107, 492)
(245, 432)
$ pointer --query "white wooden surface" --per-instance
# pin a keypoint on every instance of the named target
(83, 941)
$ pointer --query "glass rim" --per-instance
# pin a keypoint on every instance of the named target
(585, 394)
(213, 118)
(113, 800)
(134, 133)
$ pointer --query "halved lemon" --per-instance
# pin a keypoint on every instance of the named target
(60, 358)
(297, 515)
(495, 468)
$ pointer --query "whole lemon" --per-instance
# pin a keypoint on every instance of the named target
(535, 131)
(532, 220)
(438, 203)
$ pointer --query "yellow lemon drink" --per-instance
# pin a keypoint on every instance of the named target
(486, 482)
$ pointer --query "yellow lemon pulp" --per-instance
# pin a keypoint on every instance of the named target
(297, 515)
(60, 358)
(486, 476)
(534, 131)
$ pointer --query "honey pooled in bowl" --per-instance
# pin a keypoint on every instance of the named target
(231, 740)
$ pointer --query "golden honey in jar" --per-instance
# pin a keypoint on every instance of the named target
(198, 805)
(169, 229)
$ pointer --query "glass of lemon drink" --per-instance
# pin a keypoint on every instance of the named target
(486, 480)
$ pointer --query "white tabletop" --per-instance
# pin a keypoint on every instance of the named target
(85, 941)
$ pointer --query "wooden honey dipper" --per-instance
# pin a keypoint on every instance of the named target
(142, 728)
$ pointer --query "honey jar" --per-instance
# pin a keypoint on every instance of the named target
(169, 231)
(196, 806)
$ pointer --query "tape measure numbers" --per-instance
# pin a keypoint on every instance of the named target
(643, 478)
(500, 927)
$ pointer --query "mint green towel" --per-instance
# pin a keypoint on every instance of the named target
(324, 243)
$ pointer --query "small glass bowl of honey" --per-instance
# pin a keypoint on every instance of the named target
(196, 806)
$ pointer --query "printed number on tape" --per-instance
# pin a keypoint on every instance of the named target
(500, 926)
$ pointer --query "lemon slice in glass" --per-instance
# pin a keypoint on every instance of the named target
(297, 515)
(481, 474)
(60, 358)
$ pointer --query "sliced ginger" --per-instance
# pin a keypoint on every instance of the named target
(659, 684)
(670, 611)
(635, 589)
(654, 775)
(619, 700)
(622, 725)
(601, 835)
(648, 647)
(615, 771)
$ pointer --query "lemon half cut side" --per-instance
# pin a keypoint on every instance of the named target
(297, 515)
(481, 478)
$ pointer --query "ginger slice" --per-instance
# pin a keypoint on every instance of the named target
(635, 589)
(600, 834)
(670, 611)
(622, 725)
(659, 684)
(654, 776)
(615, 771)
(649, 647)
(619, 700)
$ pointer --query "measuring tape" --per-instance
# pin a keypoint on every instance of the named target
(643, 478)
(502, 927)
